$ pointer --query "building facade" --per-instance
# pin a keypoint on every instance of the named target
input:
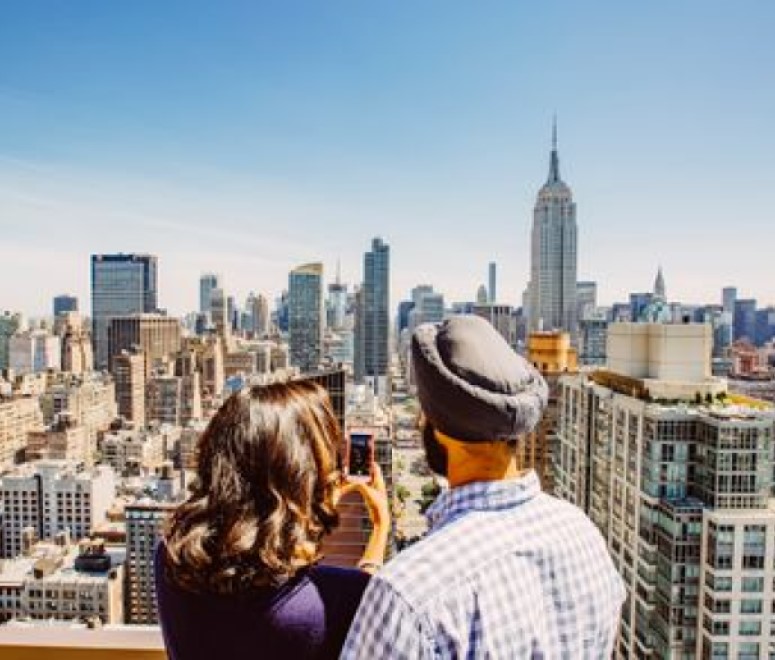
(77, 350)
(130, 381)
(372, 328)
(306, 316)
(89, 400)
(593, 338)
(207, 283)
(10, 323)
(678, 479)
(51, 497)
(34, 351)
(156, 336)
(65, 303)
(145, 521)
(551, 353)
(19, 416)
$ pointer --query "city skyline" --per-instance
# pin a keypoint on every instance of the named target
(264, 141)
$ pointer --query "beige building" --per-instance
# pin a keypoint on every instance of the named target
(165, 400)
(129, 375)
(134, 451)
(18, 417)
(63, 440)
(77, 352)
(239, 363)
(89, 400)
(664, 352)
(187, 445)
(190, 373)
(156, 336)
(280, 357)
(204, 355)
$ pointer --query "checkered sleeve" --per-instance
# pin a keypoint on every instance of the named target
(386, 626)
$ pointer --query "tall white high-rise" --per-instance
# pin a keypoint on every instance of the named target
(677, 475)
(553, 253)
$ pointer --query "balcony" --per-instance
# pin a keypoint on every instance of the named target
(55, 643)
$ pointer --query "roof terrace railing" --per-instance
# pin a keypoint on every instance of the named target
(56, 643)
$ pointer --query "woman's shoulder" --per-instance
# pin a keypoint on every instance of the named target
(349, 582)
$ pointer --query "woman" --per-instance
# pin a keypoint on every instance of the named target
(237, 575)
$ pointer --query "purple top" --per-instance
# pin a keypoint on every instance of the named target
(308, 617)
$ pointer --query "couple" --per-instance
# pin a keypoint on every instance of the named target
(505, 572)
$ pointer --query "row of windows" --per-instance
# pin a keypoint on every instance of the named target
(748, 584)
(722, 628)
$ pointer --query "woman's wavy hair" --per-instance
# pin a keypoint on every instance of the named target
(263, 499)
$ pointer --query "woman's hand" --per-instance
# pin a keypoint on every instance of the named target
(374, 495)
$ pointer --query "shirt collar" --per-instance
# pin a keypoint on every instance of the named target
(482, 496)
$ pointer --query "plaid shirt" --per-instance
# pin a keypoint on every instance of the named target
(506, 572)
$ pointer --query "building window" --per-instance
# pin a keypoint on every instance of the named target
(748, 651)
(753, 584)
(721, 628)
(750, 606)
(750, 628)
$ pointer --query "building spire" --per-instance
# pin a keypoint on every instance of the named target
(338, 272)
(554, 163)
(659, 285)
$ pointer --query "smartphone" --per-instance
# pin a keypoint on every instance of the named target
(360, 455)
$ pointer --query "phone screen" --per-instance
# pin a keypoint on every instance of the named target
(359, 464)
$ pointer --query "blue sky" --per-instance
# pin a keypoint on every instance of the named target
(249, 137)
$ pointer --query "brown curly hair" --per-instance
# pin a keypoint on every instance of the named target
(263, 499)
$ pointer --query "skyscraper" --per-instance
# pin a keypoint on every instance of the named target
(65, 303)
(261, 315)
(586, 299)
(728, 297)
(745, 319)
(337, 302)
(428, 306)
(553, 253)
(121, 284)
(130, 378)
(493, 290)
(305, 316)
(373, 325)
(219, 312)
(207, 282)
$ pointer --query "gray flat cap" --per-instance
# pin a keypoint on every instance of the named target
(471, 384)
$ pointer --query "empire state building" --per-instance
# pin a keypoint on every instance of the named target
(552, 289)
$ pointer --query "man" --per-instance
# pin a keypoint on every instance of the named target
(506, 571)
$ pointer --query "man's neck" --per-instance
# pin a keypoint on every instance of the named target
(463, 473)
